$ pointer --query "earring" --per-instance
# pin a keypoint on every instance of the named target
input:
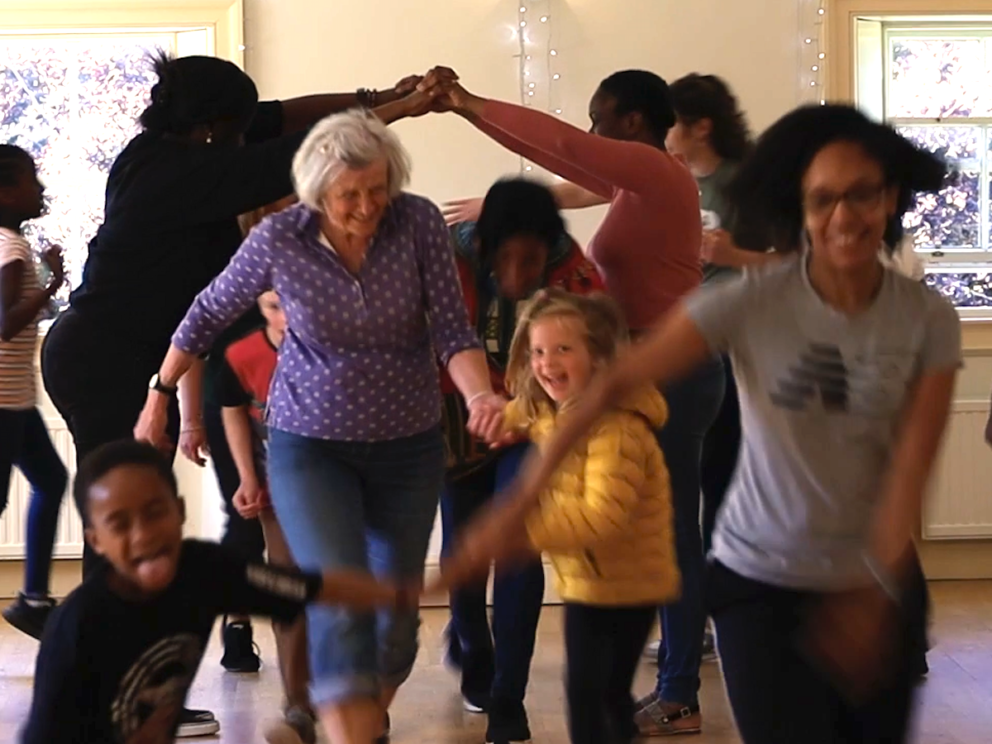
(210, 136)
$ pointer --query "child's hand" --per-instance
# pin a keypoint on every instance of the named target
(250, 499)
(193, 444)
(53, 259)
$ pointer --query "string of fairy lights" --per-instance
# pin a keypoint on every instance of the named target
(812, 20)
(538, 60)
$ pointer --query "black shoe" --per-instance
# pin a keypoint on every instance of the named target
(475, 702)
(197, 723)
(29, 615)
(240, 651)
(507, 724)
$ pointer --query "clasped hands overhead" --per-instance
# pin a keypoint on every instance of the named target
(437, 91)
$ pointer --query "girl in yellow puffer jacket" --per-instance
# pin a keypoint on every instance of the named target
(606, 518)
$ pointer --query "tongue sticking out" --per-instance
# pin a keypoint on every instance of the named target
(155, 571)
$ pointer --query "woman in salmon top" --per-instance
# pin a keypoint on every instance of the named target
(647, 251)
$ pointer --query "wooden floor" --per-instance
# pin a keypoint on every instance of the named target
(956, 699)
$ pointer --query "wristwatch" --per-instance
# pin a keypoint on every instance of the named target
(158, 386)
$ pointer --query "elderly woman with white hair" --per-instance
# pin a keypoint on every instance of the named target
(356, 459)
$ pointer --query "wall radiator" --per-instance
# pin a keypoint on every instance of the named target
(69, 539)
(960, 506)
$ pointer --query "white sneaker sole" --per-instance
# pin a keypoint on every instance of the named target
(471, 707)
(200, 728)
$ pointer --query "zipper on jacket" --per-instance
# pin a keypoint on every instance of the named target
(593, 563)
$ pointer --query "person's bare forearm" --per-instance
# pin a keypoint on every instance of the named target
(305, 111)
(469, 371)
(743, 259)
(240, 440)
(191, 395)
(572, 196)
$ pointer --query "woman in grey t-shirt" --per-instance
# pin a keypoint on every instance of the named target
(846, 372)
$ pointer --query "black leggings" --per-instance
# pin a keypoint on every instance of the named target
(776, 694)
(603, 647)
(721, 448)
(98, 381)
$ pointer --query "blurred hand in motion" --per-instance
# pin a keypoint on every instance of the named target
(718, 248)
(193, 444)
(457, 211)
(852, 637)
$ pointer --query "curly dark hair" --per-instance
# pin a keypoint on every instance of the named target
(647, 94)
(517, 206)
(767, 190)
(697, 97)
(113, 455)
(198, 90)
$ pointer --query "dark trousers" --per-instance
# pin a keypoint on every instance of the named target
(495, 664)
(243, 536)
(693, 404)
(25, 444)
(721, 447)
(777, 695)
(99, 383)
(602, 648)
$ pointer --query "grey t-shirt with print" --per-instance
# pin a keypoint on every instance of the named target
(716, 211)
(821, 394)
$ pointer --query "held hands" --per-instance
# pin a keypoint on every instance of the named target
(485, 417)
(442, 85)
(407, 85)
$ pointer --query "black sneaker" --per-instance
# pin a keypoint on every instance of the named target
(240, 651)
(197, 723)
(29, 615)
(507, 724)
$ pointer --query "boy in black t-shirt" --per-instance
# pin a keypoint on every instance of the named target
(118, 656)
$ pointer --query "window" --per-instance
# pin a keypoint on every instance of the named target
(71, 95)
(936, 89)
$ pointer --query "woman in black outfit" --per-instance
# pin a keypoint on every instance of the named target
(208, 152)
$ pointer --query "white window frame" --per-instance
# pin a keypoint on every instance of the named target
(222, 21)
(954, 259)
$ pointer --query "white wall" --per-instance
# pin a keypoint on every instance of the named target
(296, 47)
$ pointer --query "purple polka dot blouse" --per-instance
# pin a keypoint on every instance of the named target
(358, 362)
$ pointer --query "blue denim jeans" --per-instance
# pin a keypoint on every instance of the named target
(25, 444)
(692, 407)
(364, 505)
(496, 665)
